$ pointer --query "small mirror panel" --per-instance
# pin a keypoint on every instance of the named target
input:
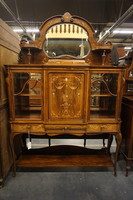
(66, 39)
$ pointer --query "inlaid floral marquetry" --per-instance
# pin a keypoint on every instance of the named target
(66, 95)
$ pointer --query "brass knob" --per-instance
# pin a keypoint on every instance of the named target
(102, 127)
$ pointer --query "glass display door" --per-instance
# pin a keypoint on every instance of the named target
(103, 95)
(27, 94)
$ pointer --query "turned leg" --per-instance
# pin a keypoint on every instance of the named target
(103, 142)
(49, 141)
(110, 139)
(118, 137)
(13, 154)
(127, 167)
(128, 164)
(84, 142)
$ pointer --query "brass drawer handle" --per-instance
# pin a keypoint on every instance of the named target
(28, 127)
(102, 128)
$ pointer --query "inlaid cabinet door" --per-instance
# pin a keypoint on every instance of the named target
(66, 98)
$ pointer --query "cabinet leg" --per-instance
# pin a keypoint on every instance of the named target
(49, 141)
(127, 168)
(110, 139)
(128, 165)
(84, 142)
(103, 142)
(118, 137)
(13, 155)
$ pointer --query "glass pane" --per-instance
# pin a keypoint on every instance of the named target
(27, 83)
(27, 107)
(130, 87)
(103, 83)
(102, 107)
(66, 39)
(131, 73)
(27, 95)
(103, 95)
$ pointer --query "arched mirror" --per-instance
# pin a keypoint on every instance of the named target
(66, 39)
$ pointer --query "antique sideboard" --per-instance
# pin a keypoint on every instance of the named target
(65, 84)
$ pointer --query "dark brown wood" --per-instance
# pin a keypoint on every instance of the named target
(65, 94)
(64, 161)
(65, 156)
(128, 74)
(9, 50)
(127, 111)
(127, 130)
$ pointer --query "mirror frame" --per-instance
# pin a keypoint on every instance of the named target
(66, 39)
(66, 18)
(37, 45)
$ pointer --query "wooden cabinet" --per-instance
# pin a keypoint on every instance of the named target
(127, 130)
(65, 85)
(128, 75)
(9, 48)
(127, 114)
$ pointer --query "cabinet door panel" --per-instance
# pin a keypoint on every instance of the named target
(103, 98)
(66, 94)
(27, 94)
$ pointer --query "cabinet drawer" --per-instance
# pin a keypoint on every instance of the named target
(20, 127)
(103, 127)
(27, 127)
(65, 128)
(37, 128)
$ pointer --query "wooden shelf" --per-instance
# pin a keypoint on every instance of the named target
(65, 156)
(64, 161)
(101, 95)
(101, 116)
(30, 95)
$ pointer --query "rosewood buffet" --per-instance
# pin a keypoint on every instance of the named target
(65, 84)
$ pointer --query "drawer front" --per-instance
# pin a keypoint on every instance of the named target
(90, 128)
(20, 127)
(65, 128)
(37, 128)
(103, 127)
(27, 127)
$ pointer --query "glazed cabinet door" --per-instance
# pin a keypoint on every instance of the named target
(66, 98)
(104, 95)
(27, 95)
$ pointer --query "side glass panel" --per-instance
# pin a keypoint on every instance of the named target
(103, 95)
(27, 95)
(131, 73)
(130, 86)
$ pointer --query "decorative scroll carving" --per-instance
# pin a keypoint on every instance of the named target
(32, 80)
(101, 83)
(67, 17)
(66, 95)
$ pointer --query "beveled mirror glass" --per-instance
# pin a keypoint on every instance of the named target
(66, 39)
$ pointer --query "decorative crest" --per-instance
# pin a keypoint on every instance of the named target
(67, 17)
